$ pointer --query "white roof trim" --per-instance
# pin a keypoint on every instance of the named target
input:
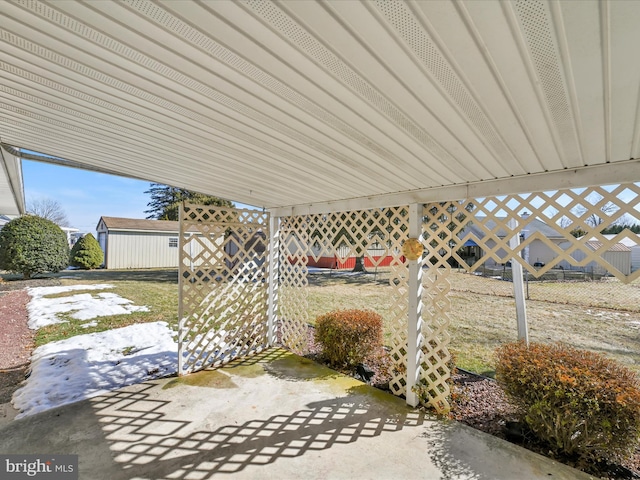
(11, 185)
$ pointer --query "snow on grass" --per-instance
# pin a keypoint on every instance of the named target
(44, 311)
(88, 365)
(84, 366)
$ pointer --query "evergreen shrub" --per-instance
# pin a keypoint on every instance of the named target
(349, 337)
(31, 245)
(86, 253)
(579, 403)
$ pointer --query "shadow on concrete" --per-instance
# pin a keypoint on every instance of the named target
(149, 445)
(265, 423)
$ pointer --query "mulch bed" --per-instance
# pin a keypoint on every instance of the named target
(480, 403)
(16, 342)
(16, 338)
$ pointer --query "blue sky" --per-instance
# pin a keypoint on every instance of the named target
(85, 196)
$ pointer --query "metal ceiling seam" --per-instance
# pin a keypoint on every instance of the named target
(101, 152)
(253, 137)
(185, 146)
(378, 100)
(500, 81)
(455, 84)
(334, 153)
(543, 52)
(93, 108)
(563, 48)
(148, 90)
(141, 169)
(606, 74)
(358, 137)
(518, 36)
(321, 113)
(89, 163)
(339, 17)
(371, 50)
(148, 119)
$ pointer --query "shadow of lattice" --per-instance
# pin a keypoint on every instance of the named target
(146, 443)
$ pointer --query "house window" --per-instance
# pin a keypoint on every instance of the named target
(173, 242)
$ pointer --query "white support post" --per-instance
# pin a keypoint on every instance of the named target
(273, 278)
(181, 323)
(414, 334)
(518, 285)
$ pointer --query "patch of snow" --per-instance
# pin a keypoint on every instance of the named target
(89, 365)
(44, 311)
(90, 324)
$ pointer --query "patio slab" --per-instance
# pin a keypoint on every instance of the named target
(275, 415)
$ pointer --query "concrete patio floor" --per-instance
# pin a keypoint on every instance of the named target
(275, 415)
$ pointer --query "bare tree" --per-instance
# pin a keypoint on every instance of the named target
(49, 209)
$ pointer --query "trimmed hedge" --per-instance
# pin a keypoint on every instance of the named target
(580, 403)
(31, 245)
(349, 337)
(86, 253)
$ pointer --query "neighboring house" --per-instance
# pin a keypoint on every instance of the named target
(536, 251)
(623, 255)
(75, 237)
(71, 234)
(135, 243)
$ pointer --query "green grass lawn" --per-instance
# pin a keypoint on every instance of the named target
(571, 313)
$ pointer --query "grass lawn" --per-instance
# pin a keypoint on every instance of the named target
(569, 312)
(572, 313)
(157, 289)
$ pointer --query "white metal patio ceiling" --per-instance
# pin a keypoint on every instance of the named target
(328, 105)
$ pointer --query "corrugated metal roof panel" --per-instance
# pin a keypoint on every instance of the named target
(291, 103)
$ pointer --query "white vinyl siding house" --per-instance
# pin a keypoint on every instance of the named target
(133, 243)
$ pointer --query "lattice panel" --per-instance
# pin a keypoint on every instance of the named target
(373, 234)
(557, 230)
(223, 285)
(293, 313)
(368, 233)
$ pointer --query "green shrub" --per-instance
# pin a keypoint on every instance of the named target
(86, 253)
(31, 245)
(349, 337)
(580, 403)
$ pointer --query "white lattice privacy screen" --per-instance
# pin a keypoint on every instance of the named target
(375, 234)
(223, 285)
(557, 230)
(224, 267)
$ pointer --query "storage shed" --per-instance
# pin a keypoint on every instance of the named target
(134, 243)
